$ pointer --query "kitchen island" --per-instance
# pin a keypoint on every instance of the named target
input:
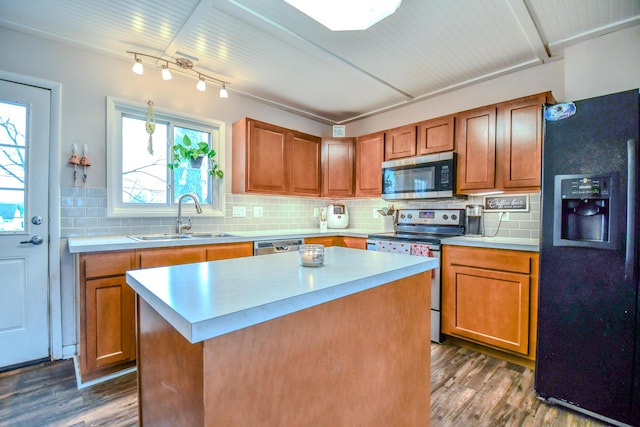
(264, 341)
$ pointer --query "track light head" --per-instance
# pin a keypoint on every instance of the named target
(166, 74)
(223, 91)
(201, 86)
(137, 67)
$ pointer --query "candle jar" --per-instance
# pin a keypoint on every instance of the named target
(311, 255)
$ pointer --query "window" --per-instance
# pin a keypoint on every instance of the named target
(13, 131)
(138, 180)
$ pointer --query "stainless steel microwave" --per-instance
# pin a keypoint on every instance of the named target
(425, 177)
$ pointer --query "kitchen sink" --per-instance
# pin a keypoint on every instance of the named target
(169, 236)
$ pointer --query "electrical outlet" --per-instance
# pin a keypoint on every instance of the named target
(239, 212)
(257, 211)
(376, 214)
(316, 212)
(505, 216)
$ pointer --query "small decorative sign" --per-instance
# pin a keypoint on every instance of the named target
(511, 202)
(338, 131)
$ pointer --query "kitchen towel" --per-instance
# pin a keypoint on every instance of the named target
(393, 247)
(422, 249)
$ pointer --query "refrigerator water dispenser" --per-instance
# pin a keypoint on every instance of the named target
(583, 210)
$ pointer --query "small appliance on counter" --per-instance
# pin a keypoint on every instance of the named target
(337, 216)
(474, 225)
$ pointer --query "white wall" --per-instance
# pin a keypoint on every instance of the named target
(606, 64)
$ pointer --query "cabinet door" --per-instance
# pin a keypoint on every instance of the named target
(436, 135)
(369, 158)
(229, 250)
(491, 307)
(520, 142)
(476, 142)
(354, 242)
(267, 157)
(400, 142)
(304, 164)
(338, 156)
(161, 257)
(109, 334)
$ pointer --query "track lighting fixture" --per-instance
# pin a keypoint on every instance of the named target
(182, 64)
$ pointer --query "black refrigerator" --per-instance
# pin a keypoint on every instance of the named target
(588, 354)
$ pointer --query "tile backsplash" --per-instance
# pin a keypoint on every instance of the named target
(84, 214)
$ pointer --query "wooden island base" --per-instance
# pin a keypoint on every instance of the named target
(361, 360)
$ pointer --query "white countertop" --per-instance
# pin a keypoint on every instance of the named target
(114, 243)
(512, 243)
(208, 299)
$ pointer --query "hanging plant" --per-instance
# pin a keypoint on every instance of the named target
(193, 154)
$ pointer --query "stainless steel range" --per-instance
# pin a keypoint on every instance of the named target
(419, 232)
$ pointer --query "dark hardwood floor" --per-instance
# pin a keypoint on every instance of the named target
(467, 389)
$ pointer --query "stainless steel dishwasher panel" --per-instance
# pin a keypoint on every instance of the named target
(265, 247)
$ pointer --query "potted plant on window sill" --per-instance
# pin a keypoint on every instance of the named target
(193, 154)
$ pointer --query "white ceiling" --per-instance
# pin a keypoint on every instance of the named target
(272, 52)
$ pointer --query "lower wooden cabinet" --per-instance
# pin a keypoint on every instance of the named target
(107, 309)
(354, 242)
(107, 303)
(489, 296)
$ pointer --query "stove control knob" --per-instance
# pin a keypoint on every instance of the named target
(402, 216)
(445, 217)
(409, 216)
(454, 217)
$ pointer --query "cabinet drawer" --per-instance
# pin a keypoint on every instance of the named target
(108, 263)
(162, 257)
(491, 259)
(229, 250)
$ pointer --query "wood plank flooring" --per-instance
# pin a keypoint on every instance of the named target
(468, 389)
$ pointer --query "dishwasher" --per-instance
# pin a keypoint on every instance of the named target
(265, 247)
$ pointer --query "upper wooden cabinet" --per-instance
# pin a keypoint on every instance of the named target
(275, 160)
(400, 142)
(476, 149)
(500, 146)
(369, 158)
(436, 135)
(338, 158)
(519, 146)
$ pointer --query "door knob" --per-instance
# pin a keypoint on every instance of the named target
(36, 240)
(36, 220)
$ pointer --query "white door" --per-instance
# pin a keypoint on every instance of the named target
(24, 224)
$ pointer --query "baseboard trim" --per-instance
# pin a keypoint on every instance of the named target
(81, 384)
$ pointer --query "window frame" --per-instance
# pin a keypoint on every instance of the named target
(115, 207)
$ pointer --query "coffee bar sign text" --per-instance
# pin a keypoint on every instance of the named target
(517, 203)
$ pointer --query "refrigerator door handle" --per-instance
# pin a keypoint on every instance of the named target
(632, 183)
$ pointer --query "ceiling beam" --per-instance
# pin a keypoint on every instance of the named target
(529, 29)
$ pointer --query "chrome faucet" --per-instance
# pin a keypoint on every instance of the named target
(180, 227)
